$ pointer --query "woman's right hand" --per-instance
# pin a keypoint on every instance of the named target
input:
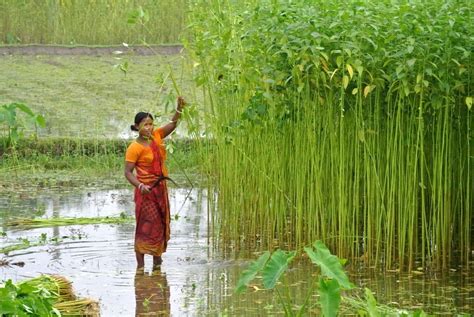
(144, 189)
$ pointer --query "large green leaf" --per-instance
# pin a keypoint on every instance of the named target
(40, 121)
(8, 115)
(249, 274)
(3, 115)
(24, 108)
(329, 263)
(275, 267)
(371, 303)
(330, 297)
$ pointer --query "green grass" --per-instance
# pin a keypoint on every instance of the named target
(91, 22)
(86, 96)
(77, 162)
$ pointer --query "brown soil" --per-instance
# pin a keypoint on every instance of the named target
(88, 50)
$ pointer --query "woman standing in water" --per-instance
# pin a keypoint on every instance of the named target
(146, 155)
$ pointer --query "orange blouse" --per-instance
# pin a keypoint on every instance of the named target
(142, 156)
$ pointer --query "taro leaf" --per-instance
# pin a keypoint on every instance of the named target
(249, 274)
(3, 115)
(330, 296)
(40, 121)
(421, 313)
(371, 303)
(329, 264)
(24, 108)
(275, 267)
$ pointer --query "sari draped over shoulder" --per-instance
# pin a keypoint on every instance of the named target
(152, 212)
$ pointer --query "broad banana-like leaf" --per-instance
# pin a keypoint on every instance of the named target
(329, 263)
(24, 108)
(275, 267)
(330, 297)
(40, 121)
(249, 274)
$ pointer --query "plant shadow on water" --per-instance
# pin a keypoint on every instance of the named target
(194, 279)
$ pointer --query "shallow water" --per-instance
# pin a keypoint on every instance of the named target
(193, 280)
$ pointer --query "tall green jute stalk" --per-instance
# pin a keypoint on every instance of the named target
(90, 22)
(357, 136)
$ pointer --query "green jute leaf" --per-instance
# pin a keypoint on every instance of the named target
(469, 102)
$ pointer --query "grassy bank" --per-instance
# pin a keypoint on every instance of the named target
(91, 22)
(90, 96)
(74, 162)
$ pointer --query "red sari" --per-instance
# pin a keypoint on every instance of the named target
(152, 212)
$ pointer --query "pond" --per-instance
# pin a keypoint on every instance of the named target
(194, 279)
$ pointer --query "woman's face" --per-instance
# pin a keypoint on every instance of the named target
(145, 127)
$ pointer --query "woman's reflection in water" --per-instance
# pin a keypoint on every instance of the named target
(152, 293)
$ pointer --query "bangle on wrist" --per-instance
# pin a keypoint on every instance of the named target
(140, 186)
(178, 111)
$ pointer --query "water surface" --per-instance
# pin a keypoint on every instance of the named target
(193, 280)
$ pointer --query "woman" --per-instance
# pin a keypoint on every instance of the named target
(146, 155)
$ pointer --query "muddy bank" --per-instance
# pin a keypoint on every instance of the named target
(90, 50)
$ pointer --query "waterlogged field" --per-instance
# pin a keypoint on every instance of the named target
(195, 279)
(359, 137)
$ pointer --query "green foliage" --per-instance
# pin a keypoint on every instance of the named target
(9, 117)
(273, 266)
(90, 22)
(332, 280)
(363, 134)
(249, 274)
(330, 296)
(371, 303)
(138, 16)
(330, 264)
(46, 295)
(26, 300)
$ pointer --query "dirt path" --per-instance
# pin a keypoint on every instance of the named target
(88, 50)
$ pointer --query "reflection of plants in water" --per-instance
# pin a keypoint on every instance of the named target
(40, 210)
(146, 303)
(151, 293)
(332, 280)
(77, 234)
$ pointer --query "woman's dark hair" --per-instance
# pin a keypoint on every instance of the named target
(139, 117)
